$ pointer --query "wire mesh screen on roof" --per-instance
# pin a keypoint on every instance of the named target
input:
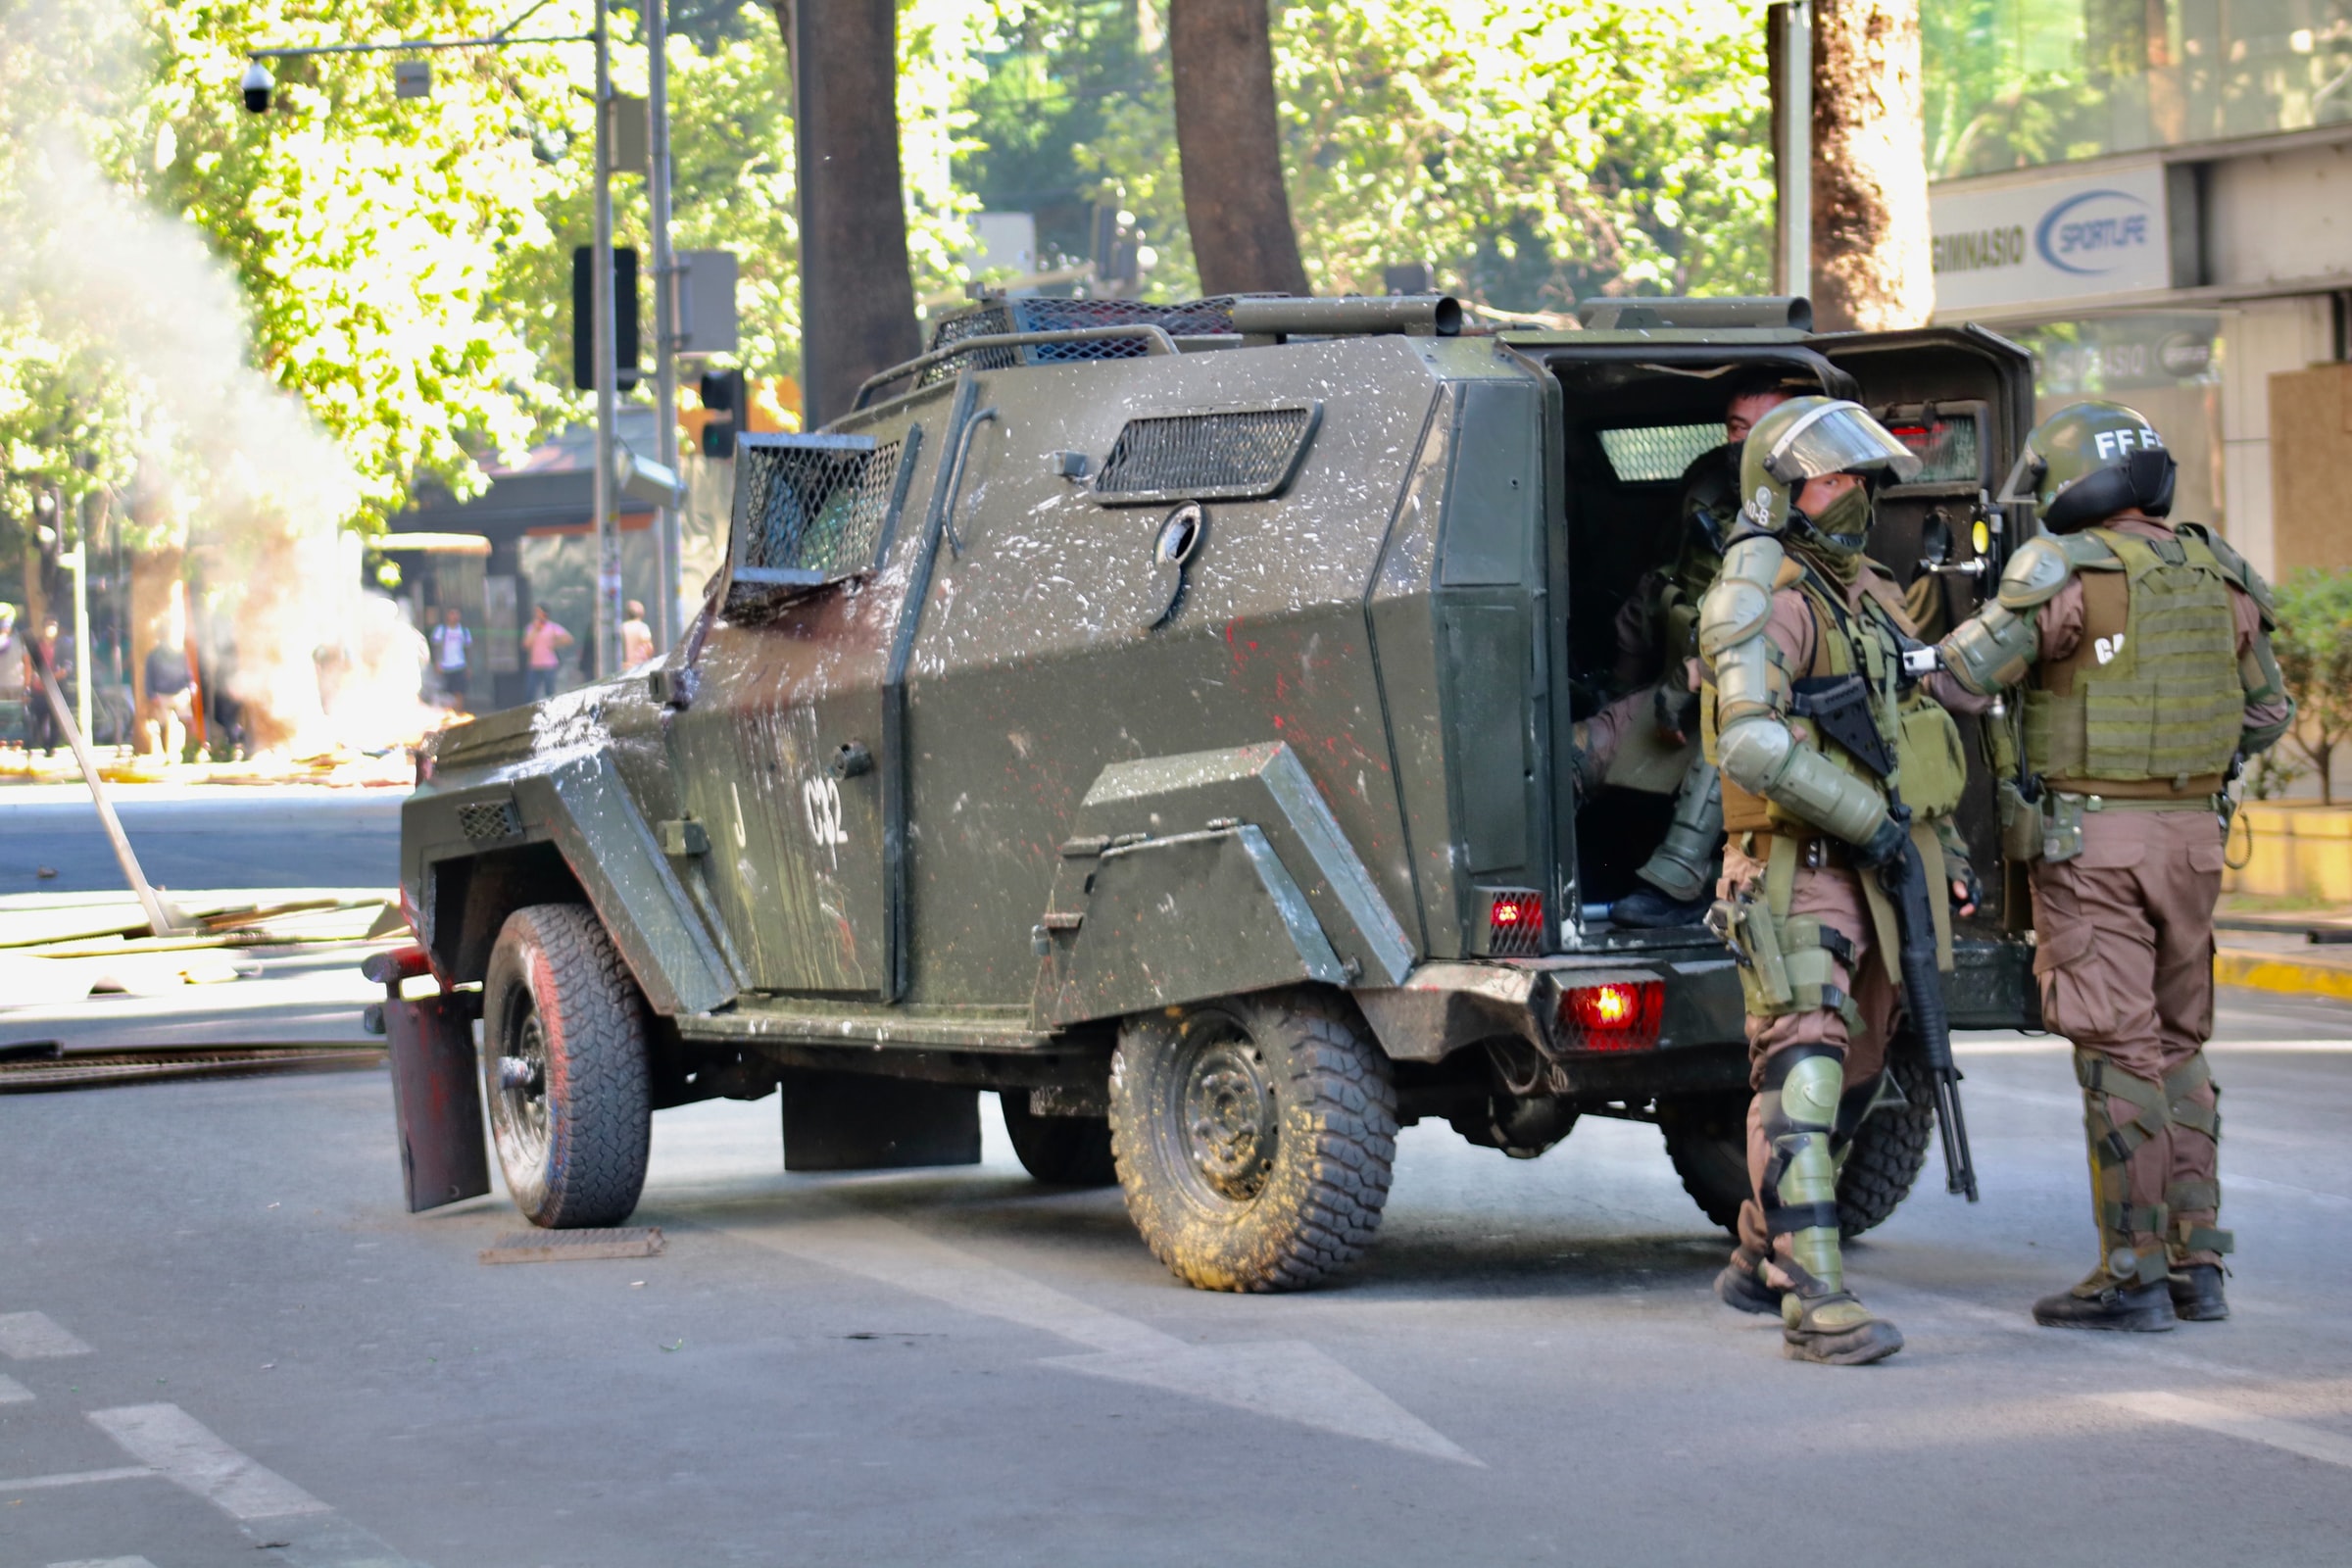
(1646, 454)
(1232, 453)
(811, 508)
(999, 316)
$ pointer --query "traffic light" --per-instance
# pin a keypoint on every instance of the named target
(724, 399)
(583, 317)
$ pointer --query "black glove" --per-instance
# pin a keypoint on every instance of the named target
(1883, 846)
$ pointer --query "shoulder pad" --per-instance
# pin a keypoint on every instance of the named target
(2036, 570)
(2240, 570)
(1732, 611)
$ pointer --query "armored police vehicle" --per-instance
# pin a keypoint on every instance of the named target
(1158, 716)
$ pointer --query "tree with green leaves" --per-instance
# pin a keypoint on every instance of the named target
(2314, 649)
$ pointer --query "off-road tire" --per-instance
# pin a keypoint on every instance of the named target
(1706, 1138)
(1223, 1205)
(1889, 1152)
(559, 996)
(1064, 1151)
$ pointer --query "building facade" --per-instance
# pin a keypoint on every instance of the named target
(2155, 196)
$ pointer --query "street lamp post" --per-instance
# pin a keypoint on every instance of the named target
(608, 352)
(665, 314)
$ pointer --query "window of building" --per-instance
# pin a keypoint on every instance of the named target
(2016, 83)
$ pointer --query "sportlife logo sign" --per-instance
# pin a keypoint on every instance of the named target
(2051, 239)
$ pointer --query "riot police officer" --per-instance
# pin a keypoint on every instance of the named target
(2144, 650)
(1805, 706)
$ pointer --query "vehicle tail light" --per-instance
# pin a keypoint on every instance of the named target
(1614, 1016)
(1515, 922)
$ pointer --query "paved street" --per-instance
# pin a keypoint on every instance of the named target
(202, 836)
(218, 1330)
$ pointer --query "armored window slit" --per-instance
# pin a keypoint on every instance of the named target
(1224, 454)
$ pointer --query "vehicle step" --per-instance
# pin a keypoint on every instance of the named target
(833, 1023)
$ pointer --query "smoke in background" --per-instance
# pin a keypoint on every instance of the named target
(228, 465)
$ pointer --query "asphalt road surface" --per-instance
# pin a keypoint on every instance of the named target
(217, 1332)
(201, 836)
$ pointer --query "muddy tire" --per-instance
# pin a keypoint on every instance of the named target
(1254, 1138)
(1706, 1138)
(1064, 1151)
(565, 1069)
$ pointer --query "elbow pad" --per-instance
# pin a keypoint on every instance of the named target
(1760, 755)
(1990, 650)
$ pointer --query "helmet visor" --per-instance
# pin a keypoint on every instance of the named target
(1837, 439)
(2023, 487)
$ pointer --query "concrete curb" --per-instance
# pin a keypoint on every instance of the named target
(2287, 976)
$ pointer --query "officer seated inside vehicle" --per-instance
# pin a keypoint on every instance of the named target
(1651, 806)
(1647, 732)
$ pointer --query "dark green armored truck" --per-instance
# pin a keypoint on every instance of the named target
(1160, 716)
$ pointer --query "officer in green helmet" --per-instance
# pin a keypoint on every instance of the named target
(1816, 730)
(2144, 647)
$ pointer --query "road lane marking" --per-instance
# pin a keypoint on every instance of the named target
(14, 1392)
(2139, 1346)
(36, 1337)
(1286, 1380)
(2331, 1199)
(183, 1451)
(73, 1478)
(104, 1562)
(2312, 1442)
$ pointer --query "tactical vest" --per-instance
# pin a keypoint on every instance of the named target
(2149, 703)
(1931, 770)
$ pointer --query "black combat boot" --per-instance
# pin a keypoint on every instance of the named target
(1647, 908)
(2197, 1292)
(1742, 1288)
(2103, 1301)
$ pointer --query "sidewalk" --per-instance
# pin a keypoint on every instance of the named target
(2264, 948)
(339, 768)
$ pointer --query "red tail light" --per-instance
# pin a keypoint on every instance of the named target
(1515, 923)
(1614, 1016)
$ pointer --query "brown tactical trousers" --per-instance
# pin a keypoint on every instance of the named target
(2125, 956)
(1832, 895)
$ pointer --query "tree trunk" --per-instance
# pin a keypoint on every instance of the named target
(1221, 57)
(856, 292)
(1871, 262)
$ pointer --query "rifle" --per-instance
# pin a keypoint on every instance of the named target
(1905, 879)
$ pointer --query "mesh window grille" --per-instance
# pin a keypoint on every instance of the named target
(489, 819)
(1236, 454)
(808, 512)
(1646, 454)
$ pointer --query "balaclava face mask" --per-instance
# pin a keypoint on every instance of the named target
(1838, 536)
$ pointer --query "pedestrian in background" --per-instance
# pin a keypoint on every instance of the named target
(636, 637)
(16, 676)
(452, 647)
(2118, 809)
(171, 698)
(543, 645)
(43, 732)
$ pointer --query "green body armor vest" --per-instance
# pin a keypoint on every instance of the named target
(1931, 767)
(2151, 697)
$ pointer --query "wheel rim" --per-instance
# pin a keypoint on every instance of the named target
(1227, 1119)
(518, 1097)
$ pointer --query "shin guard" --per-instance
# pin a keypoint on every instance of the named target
(1798, 1108)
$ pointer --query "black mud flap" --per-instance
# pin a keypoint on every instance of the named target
(437, 1101)
(855, 1121)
